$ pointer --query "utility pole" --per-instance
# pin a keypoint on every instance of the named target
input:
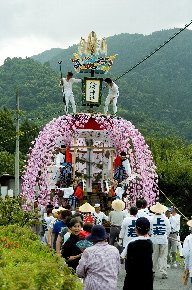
(17, 146)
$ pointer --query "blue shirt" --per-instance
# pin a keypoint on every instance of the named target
(56, 230)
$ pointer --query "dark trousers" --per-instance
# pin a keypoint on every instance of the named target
(114, 234)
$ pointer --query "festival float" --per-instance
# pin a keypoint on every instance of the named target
(92, 144)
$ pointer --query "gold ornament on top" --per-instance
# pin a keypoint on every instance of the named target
(92, 55)
(92, 46)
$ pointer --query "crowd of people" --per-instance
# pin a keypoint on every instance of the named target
(145, 240)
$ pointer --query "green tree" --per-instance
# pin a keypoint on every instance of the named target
(28, 133)
(7, 131)
(7, 163)
(173, 158)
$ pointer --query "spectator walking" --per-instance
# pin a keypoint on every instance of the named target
(128, 230)
(116, 218)
(160, 229)
(141, 205)
(99, 264)
(187, 251)
(174, 220)
(65, 214)
(138, 263)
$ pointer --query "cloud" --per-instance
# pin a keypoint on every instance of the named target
(56, 23)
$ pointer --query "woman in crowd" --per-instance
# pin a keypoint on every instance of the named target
(99, 264)
(70, 251)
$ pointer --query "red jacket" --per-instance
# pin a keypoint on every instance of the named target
(68, 156)
(112, 191)
(78, 192)
(117, 162)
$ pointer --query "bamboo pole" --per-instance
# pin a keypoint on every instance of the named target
(112, 155)
(74, 165)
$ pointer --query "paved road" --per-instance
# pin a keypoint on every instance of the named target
(174, 281)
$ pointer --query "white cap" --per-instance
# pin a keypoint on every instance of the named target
(97, 205)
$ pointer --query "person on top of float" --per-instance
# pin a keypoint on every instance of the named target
(63, 161)
(112, 95)
(78, 192)
(68, 96)
(122, 168)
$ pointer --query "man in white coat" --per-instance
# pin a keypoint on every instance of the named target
(174, 220)
(128, 231)
(160, 230)
(99, 215)
(68, 96)
(112, 95)
(187, 251)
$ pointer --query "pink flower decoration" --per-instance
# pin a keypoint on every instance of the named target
(121, 134)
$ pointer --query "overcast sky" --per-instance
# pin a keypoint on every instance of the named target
(29, 27)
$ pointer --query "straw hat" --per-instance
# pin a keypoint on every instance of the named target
(55, 210)
(189, 223)
(61, 208)
(158, 208)
(118, 205)
(86, 207)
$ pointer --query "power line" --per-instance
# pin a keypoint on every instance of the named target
(173, 205)
(153, 52)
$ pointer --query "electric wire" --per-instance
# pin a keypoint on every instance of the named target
(153, 52)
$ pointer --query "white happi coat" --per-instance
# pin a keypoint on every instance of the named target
(128, 232)
(175, 223)
(68, 93)
(127, 166)
(67, 84)
(187, 253)
(99, 217)
(119, 192)
(112, 96)
(160, 229)
(144, 212)
(59, 159)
